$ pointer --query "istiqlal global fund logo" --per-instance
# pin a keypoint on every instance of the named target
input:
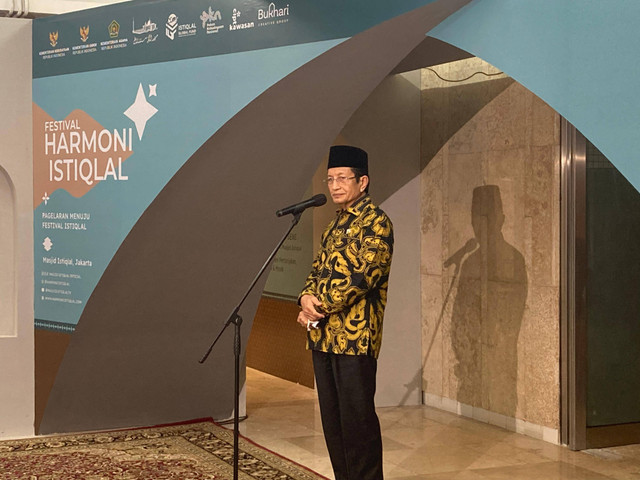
(172, 26)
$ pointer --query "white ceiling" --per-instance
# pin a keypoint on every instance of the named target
(36, 8)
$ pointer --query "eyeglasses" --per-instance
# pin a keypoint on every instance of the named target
(338, 180)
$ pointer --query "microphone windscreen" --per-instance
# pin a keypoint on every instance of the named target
(319, 199)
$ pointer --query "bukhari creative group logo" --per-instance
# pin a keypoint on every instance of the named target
(53, 38)
(84, 33)
(272, 12)
(114, 29)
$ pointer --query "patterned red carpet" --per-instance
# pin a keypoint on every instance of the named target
(201, 450)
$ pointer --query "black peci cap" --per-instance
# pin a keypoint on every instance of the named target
(348, 156)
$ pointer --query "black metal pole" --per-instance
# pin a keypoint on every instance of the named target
(236, 410)
(237, 321)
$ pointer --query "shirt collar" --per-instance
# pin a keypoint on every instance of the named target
(357, 208)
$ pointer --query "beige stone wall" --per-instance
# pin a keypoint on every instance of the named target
(490, 247)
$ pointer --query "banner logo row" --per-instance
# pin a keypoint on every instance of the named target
(210, 22)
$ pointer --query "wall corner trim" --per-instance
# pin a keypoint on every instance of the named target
(547, 434)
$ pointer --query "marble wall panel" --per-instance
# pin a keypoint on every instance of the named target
(505, 120)
(432, 334)
(449, 290)
(541, 373)
(431, 217)
(447, 106)
(495, 270)
(545, 123)
(540, 207)
(506, 169)
(466, 169)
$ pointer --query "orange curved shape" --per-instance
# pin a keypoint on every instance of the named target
(75, 154)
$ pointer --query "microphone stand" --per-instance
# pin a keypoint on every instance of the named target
(236, 319)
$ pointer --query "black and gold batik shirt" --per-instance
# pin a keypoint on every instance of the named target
(350, 276)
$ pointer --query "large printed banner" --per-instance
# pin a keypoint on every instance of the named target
(166, 135)
(167, 132)
(124, 95)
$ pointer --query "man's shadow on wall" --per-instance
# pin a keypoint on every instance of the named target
(488, 310)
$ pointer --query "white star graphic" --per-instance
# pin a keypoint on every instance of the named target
(152, 90)
(45, 198)
(140, 111)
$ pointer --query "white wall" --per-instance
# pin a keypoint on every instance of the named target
(387, 126)
(393, 129)
(399, 368)
(16, 239)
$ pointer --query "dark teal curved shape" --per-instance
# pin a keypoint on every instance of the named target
(579, 57)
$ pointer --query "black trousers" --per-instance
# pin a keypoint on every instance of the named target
(346, 386)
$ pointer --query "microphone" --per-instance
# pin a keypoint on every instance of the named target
(468, 247)
(296, 208)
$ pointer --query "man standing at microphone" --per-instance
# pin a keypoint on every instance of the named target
(343, 304)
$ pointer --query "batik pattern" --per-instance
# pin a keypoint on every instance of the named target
(350, 276)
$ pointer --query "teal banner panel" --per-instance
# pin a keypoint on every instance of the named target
(578, 56)
(102, 154)
(125, 94)
(135, 33)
